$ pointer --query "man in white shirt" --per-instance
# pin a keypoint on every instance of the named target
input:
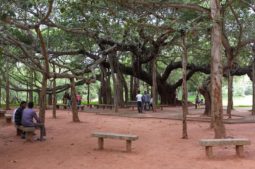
(139, 100)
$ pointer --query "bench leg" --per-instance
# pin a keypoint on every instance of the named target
(208, 151)
(29, 136)
(129, 143)
(8, 120)
(100, 143)
(18, 132)
(239, 150)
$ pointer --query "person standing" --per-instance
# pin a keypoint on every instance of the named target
(18, 117)
(78, 99)
(139, 101)
(65, 98)
(146, 100)
(151, 104)
(197, 102)
(69, 101)
(28, 116)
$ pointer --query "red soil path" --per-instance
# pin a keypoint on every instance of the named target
(70, 146)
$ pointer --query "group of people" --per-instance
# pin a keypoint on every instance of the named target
(144, 102)
(26, 116)
(198, 102)
(67, 99)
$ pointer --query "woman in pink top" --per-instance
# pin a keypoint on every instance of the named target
(78, 99)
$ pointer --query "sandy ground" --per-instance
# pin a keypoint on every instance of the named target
(70, 145)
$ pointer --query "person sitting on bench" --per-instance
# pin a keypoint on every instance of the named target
(27, 120)
(18, 118)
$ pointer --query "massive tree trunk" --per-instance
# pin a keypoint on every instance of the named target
(44, 51)
(135, 87)
(105, 95)
(253, 80)
(109, 97)
(230, 95)
(230, 57)
(74, 102)
(216, 71)
(205, 90)
(131, 88)
(125, 87)
(115, 84)
(167, 94)
(154, 83)
(121, 82)
(50, 99)
(102, 91)
(184, 88)
(42, 100)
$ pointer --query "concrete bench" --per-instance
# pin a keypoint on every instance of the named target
(29, 132)
(104, 106)
(88, 105)
(102, 135)
(61, 106)
(2, 113)
(238, 142)
(130, 106)
(8, 118)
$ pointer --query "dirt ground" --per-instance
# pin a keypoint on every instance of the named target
(70, 145)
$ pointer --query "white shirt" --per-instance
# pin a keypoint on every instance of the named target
(13, 115)
(139, 97)
(151, 100)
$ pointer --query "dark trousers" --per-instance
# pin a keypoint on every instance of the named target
(151, 106)
(139, 107)
(146, 105)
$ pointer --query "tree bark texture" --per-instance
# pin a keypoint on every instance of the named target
(1, 93)
(230, 95)
(131, 88)
(42, 104)
(253, 80)
(7, 87)
(74, 102)
(42, 100)
(30, 94)
(230, 57)
(216, 71)
(205, 90)
(88, 93)
(105, 96)
(154, 83)
(54, 107)
(115, 84)
(184, 88)
(7, 91)
(50, 99)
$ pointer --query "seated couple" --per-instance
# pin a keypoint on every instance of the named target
(25, 117)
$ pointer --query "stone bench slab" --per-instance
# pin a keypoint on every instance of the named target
(228, 141)
(115, 136)
(26, 129)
